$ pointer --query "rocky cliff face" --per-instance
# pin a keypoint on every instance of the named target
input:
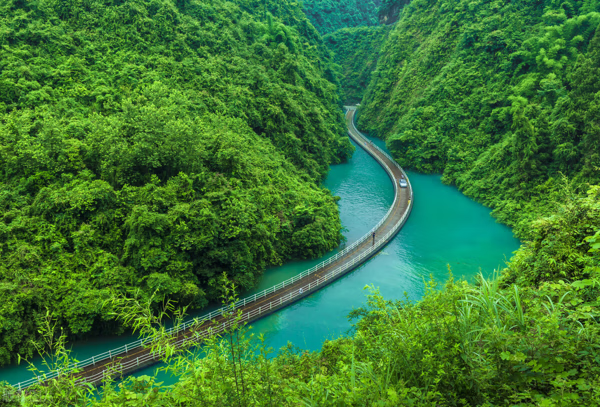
(390, 11)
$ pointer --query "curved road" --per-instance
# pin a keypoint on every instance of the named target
(124, 361)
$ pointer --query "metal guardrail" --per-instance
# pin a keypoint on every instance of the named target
(122, 350)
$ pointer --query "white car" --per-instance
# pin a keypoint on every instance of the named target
(403, 183)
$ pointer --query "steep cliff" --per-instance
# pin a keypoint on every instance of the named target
(331, 15)
(499, 97)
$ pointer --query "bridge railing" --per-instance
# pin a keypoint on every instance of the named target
(389, 157)
(250, 315)
(122, 350)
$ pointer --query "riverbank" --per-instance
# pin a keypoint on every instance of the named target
(446, 228)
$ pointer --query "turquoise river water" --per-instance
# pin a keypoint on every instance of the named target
(445, 228)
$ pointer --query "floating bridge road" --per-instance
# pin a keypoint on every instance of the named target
(136, 355)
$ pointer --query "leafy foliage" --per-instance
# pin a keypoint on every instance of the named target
(495, 343)
(563, 244)
(152, 145)
(356, 51)
(331, 15)
(389, 10)
(499, 96)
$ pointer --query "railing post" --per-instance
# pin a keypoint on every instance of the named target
(138, 361)
(380, 156)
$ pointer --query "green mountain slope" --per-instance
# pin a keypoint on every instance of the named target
(389, 10)
(356, 51)
(504, 99)
(331, 15)
(500, 97)
(149, 146)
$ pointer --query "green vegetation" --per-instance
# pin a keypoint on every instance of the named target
(151, 145)
(499, 96)
(356, 51)
(353, 34)
(389, 10)
(331, 15)
(354, 37)
(496, 343)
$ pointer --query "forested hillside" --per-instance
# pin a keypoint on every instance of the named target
(150, 145)
(356, 51)
(354, 31)
(495, 343)
(389, 10)
(331, 15)
(501, 97)
(169, 154)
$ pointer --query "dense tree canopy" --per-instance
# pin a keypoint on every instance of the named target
(389, 10)
(495, 343)
(356, 51)
(499, 96)
(153, 144)
(135, 162)
(331, 15)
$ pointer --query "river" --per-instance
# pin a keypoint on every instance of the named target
(445, 229)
